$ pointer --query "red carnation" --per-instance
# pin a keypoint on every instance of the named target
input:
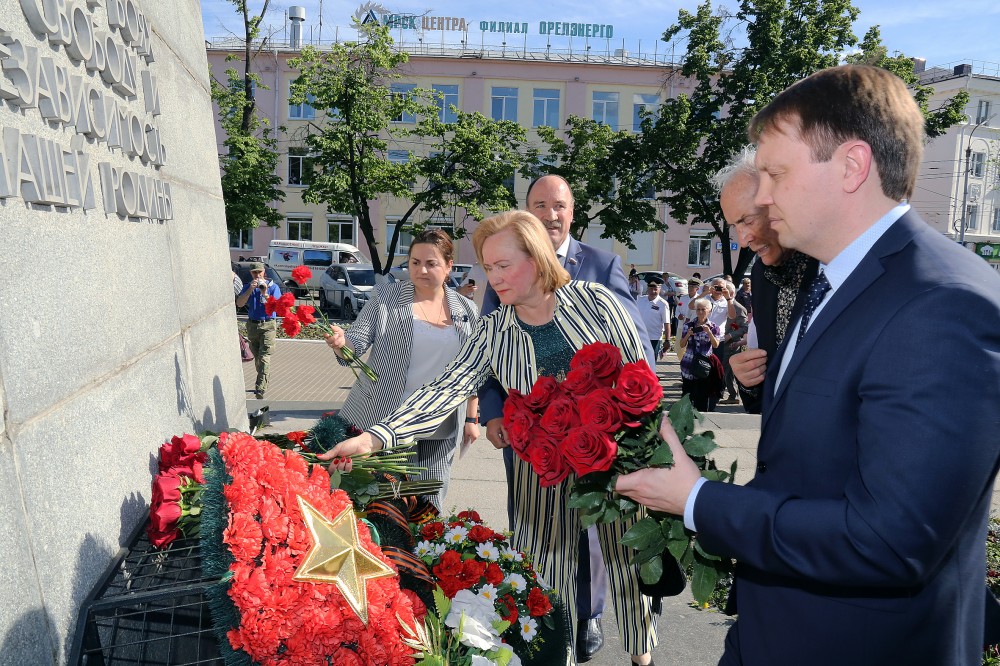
(638, 389)
(449, 565)
(480, 534)
(291, 324)
(588, 450)
(507, 608)
(604, 360)
(301, 274)
(548, 462)
(538, 603)
(545, 389)
(271, 305)
(285, 304)
(470, 515)
(297, 436)
(600, 410)
(305, 314)
(419, 608)
(432, 531)
(560, 416)
(493, 574)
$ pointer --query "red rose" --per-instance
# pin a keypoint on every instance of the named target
(450, 564)
(470, 515)
(493, 574)
(588, 450)
(161, 539)
(599, 409)
(297, 436)
(604, 360)
(305, 314)
(507, 608)
(291, 324)
(538, 603)
(432, 531)
(165, 506)
(560, 416)
(638, 389)
(579, 381)
(301, 274)
(181, 452)
(285, 304)
(548, 462)
(518, 421)
(542, 393)
(480, 534)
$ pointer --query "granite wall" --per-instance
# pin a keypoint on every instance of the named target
(117, 327)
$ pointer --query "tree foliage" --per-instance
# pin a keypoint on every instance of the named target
(450, 166)
(249, 165)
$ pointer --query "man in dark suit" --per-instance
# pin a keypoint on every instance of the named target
(861, 539)
(780, 275)
(551, 201)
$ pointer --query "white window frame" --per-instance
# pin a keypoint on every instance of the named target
(977, 165)
(342, 221)
(704, 251)
(983, 110)
(243, 237)
(601, 107)
(296, 163)
(303, 111)
(545, 105)
(643, 101)
(996, 220)
(446, 101)
(508, 102)
(972, 217)
(298, 219)
(406, 236)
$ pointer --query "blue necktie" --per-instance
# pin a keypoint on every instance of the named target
(820, 285)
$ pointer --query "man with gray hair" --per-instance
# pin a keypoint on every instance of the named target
(779, 276)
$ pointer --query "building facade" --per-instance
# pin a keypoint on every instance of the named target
(959, 181)
(532, 88)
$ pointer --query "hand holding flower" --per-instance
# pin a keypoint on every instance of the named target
(663, 489)
(363, 444)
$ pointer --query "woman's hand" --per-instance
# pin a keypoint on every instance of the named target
(364, 443)
(337, 339)
(470, 434)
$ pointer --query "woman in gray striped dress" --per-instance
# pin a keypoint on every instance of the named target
(541, 322)
(414, 329)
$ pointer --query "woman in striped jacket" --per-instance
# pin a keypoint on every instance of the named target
(414, 329)
(544, 318)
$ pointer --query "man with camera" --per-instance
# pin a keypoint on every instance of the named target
(262, 328)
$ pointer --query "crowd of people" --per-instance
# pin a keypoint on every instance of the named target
(860, 539)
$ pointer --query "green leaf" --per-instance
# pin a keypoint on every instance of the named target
(441, 602)
(704, 553)
(700, 445)
(677, 548)
(651, 571)
(647, 554)
(715, 474)
(682, 417)
(662, 456)
(586, 500)
(643, 533)
(703, 582)
(732, 472)
(673, 528)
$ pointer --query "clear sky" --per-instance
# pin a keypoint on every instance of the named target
(944, 33)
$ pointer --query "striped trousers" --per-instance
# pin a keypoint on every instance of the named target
(549, 531)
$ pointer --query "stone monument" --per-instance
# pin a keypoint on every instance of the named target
(117, 327)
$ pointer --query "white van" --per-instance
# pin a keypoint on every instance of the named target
(286, 255)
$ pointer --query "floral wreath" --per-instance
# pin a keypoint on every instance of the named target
(256, 537)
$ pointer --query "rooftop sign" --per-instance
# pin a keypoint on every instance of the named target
(371, 12)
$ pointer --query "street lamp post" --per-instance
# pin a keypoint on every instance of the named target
(968, 167)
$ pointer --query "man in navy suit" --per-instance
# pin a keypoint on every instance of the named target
(861, 539)
(551, 201)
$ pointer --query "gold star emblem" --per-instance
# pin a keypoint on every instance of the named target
(337, 557)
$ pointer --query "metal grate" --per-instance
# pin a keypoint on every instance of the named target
(149, 609)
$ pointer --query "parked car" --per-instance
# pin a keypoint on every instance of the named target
(346, 288)
(242, 269)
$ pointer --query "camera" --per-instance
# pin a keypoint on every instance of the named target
(697, 328)
(717, 287)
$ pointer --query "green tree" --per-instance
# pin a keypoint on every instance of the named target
(459, 165)
(249, 165)
(739, 61)
(607, 186)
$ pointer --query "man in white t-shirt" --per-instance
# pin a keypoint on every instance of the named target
(684, 309)
(655, 313)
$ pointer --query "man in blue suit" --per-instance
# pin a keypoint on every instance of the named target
(861, 538)
(551, 201)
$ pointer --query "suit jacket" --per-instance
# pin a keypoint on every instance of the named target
(583, 262)
(764, 303)
(385, 325)
(861, 539)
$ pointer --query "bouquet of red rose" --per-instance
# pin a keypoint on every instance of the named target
(175, 507)
(294, 318)
(489, 599)
(600, 421)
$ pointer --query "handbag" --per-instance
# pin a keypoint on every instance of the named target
(245, 352)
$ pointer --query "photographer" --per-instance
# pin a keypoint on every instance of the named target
(262, 328)
(699, 339)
